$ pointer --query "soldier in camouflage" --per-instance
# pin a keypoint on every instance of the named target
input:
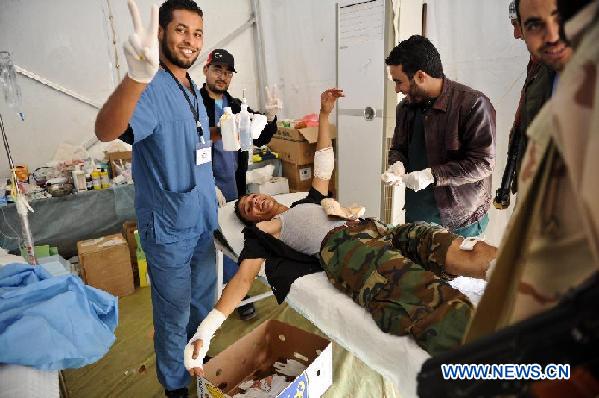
(398, 275)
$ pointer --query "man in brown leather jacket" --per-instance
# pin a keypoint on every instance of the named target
(445, 138)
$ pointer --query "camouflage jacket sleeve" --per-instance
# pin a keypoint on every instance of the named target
(424, 244)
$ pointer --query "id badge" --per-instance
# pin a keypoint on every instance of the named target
(203, 154)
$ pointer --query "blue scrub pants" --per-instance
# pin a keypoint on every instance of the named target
(183, 282)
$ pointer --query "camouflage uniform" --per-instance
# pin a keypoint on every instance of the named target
(551, 243)
(398, 275)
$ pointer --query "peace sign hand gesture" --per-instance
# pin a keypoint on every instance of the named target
(273, 104)
(141, 49)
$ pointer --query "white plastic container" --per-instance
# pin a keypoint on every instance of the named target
(79, 180)
(245, 134)
(228, 131)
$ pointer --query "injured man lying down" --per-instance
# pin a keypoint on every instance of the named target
(398, 274)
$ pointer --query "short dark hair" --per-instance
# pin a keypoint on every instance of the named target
(414, 54)
(247, 223)
(165, 15)
(517, 5)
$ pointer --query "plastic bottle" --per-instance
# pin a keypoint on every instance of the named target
(105, 180)
(96, 180)
(8, 83)
(228, 130)
(88, 182)
(245, 134)
(78, 179)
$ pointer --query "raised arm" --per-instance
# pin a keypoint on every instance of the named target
(324, 158)
(141, 52)
(115, 114)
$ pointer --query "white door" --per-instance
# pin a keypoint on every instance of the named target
(361, 73)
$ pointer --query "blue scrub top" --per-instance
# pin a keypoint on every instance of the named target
(224, 163)
(174, 198)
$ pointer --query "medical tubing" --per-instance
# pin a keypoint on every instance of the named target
(21, 201)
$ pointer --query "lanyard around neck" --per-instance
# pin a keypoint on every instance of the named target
(195, 111)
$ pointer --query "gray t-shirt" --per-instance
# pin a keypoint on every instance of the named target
(304, 226)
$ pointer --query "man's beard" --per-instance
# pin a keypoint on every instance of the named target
(172, 58)
(214, 89)
(416, 95)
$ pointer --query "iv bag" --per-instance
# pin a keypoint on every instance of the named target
(8, 82)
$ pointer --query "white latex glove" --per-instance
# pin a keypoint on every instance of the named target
(141, 49)
(220, 197)
(418, 180)
(205, 332)
(257, 124)
(394, 174)
(273, 104)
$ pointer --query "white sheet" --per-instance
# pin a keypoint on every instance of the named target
(398, 359)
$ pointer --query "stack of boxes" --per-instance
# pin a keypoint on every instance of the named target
(296, 148)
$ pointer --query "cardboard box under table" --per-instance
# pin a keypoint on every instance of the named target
(106, 264)
(255, 353)
(297, 146)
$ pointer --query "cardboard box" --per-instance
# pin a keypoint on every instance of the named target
(255, 353)
(275, 186)
(297, 145)
(106, 264)
(116, 159)
(299, 176)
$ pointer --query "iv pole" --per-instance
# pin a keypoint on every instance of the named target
(12, 96)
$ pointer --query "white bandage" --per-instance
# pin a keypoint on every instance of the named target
(468, 243)
(394, 174)
(334, 208)
(205, 332)
(324, 163)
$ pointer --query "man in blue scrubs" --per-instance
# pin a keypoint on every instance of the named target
(175, 199)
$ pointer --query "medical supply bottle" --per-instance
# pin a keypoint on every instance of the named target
(97, 183)
(228, 130)
(245, 133)
(104, 179)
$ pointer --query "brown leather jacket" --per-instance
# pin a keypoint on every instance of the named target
(459, 133)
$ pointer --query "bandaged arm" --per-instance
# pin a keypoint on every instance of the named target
(234, 292)
(324, 156)
(324, 163)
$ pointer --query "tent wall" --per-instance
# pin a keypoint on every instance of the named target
(69, 43)
(299, 45)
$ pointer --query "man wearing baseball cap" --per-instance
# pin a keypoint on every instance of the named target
(228, 167)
